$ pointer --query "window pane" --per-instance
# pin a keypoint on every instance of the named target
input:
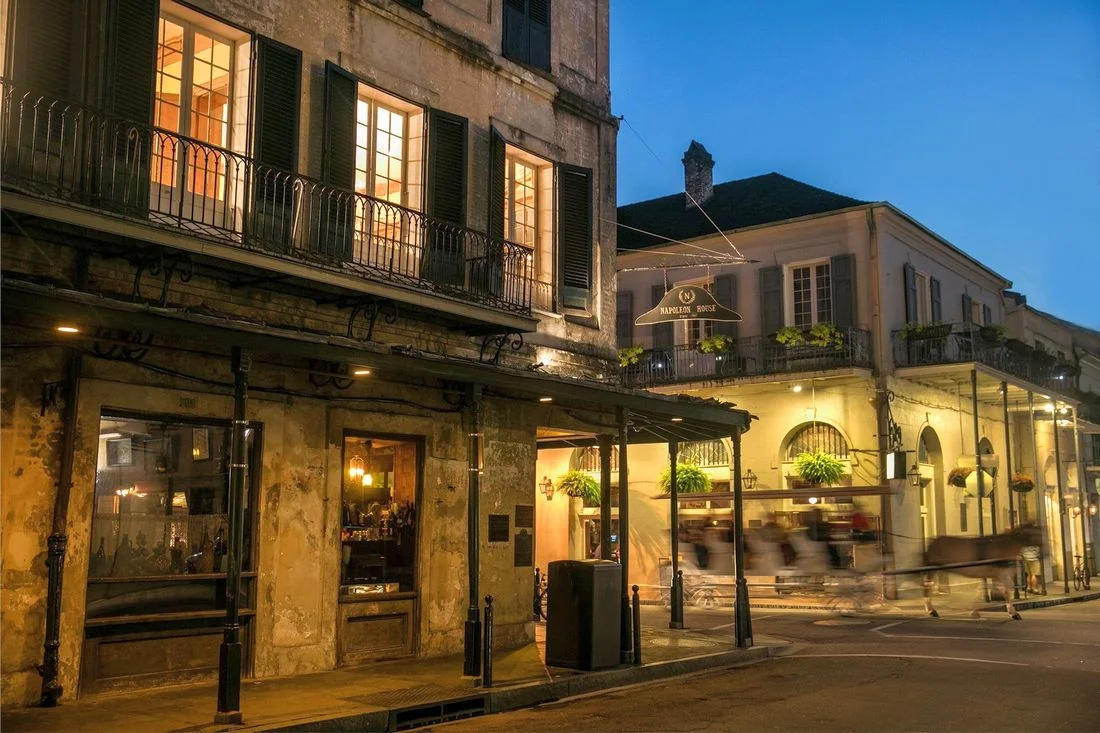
(378, 537)
(803, 315)
(824, 288)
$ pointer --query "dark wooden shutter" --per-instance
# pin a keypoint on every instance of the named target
(447, 150)
(446, 196)
(575, 233)
(337, 207)
(936, 299)
(909, 282)
(496, 184)
(624, 318)
(967, 309)
(662, 332)
(278, 96)
(43, 42)
(771, 299)
(987, 315)
(538, 28)
(842, 270)
(515, 36)
(725, 292)
(131, 58)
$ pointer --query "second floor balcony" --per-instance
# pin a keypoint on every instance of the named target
(65, 152)
(959, 343)
(749, 357)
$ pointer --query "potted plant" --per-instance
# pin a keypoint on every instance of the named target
(690, 479)
(580, 485)
(1021, 483)
(992, 334)
(826, 336)
(958, 475)
(630, 355)
(719, 343)
(818, 468)
(790, 336)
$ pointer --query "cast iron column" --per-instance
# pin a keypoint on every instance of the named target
(676, 591)
(1082, 503)
(742, 620)
(977, 451)
(471, 665)
(605, 496)
(1008, 482)
(229, 657)
(58, 539)
(1066, 567)
(626, 654)
(1040, 496)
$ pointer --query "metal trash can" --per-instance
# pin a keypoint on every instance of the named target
(582, 626)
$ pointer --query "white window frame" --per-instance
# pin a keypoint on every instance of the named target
(923, 282)
(704, 328)
(977, 313)
(543, 255)
(788, 291)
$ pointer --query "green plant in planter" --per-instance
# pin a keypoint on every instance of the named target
(914, 330)
(958, 475)
(630, 355)
(581, 485)
(826, 336)
(1021, 483)
(719, 343)
(790, 336)
(993, 333)
(690, 479)
(818, 467)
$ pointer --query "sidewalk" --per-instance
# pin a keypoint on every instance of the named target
(387, 695)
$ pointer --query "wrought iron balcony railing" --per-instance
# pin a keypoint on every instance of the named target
(70, 152)
(752, 356)
(955, 343)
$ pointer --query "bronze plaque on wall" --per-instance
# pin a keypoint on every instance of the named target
(525, 549)
(498, 527)
(525, 516)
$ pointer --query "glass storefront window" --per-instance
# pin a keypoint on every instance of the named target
(378, 538)
(160, 522)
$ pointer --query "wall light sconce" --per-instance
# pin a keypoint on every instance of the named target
(547, 487)
(748, 480)
(914, 475)
(355, 468)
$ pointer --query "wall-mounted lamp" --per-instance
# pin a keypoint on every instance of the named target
(748, 480)
(547, 487)
(1094, 509)
(914, 475)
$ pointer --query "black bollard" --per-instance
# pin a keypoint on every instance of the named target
(537, 607)
(677, 621)
(487, 646)
(637, 608)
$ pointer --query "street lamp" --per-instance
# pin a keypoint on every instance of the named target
(547, 487)
(748, 480)
(914, 475)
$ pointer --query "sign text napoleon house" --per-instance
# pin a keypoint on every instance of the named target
(687, 303)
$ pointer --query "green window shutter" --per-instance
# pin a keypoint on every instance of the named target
(575, 233)
(131, 58)
(937, 300)
(967, 309)
(538, 27)
(987, 315)
(725, 292)
(278, 96)
(909, 280)
(43, 37)
(447, 151)
(515, 35)
(662, 332)
(337, 209)
(771, 299)
(624, 318)
(842, 269)
(496, 184)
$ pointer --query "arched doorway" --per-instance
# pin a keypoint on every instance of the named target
(933, 509)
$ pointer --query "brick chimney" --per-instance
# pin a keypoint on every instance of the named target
(698, 175)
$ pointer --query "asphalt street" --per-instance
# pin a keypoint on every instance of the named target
(882, 672)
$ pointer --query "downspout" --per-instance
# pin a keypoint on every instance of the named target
(881, 387)
(58, 539)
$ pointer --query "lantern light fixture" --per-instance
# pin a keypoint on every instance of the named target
(914, 475)
(748, 480)
(547, 487)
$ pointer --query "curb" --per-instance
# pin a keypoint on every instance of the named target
(497, 700)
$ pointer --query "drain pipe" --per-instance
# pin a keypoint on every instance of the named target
(59, 539)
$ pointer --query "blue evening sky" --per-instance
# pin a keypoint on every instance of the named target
(979, 118)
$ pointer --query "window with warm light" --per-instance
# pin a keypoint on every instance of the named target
(809, 294)
(528, 216)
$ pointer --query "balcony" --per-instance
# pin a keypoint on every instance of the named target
(750, 357)
(966, 343)
(62, 151)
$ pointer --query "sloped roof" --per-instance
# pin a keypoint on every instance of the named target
(735, 205)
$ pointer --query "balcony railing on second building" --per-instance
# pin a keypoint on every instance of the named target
(752, 356)
(70, 152)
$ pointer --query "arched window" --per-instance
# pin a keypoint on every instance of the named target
(705, 453)
(817, 436)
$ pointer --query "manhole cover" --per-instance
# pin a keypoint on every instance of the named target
(842, 622)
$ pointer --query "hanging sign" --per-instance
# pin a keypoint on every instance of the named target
(687, 303)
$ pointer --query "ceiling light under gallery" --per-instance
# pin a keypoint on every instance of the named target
(361, 372)
(796, 388)
(546, 399)
(65, 328)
